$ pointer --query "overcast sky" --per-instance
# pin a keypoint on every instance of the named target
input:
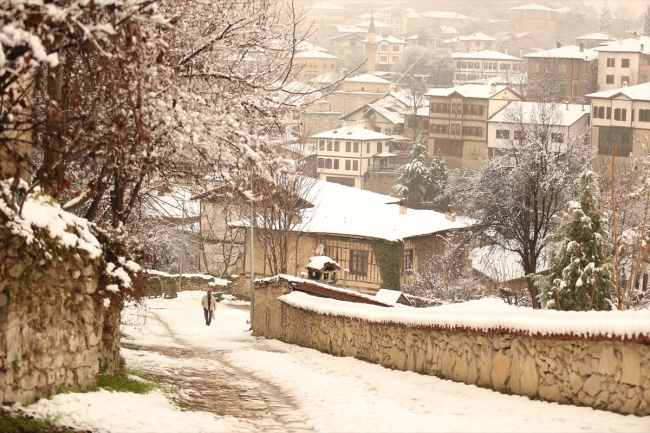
(635, 5)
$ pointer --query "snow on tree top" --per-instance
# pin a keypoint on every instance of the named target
(42, 212)
(489, 315)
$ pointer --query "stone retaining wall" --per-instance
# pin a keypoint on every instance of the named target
(610, 375)
(55, 331)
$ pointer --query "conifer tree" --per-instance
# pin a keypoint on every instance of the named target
(437, 182)
(580, 275)
(605, 19)
(414, 180)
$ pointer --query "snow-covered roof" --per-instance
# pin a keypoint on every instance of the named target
(325, 5)
(449, 30)
(467, 90)
(318, 263)
(327, 78)
(345, 28)
(308, 46)
(351, 132)
(313, 54)
(384, 155)
(478, 36)
(346, 211)
(378, 24)
(389, 39)
(176, 204)
(444, 14)
(387, 295)
(640, 92)
(485, 54)
(595, 37)
(566, 52)
(367, 78)
(532, 7)
(631, 45)
(569, 117)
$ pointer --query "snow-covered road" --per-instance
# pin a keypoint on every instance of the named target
(246, 383)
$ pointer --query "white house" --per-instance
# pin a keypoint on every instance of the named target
(623, 115)
(345, 154)
(483, 64)
(389, 51)
(504, 129)
(624, 62)
(475, 42)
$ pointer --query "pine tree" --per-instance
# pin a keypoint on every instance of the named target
(580, 275)
(605, 19)
(413, 182)
(437, 182)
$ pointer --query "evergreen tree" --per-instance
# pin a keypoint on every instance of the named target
(414, 180)
(437, 182)
(646, 21)
(580, 275)
(605, 19)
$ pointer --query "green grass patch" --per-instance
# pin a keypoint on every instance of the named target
(14, 422)
(122, 383)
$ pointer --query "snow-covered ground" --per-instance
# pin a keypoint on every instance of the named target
(326, 393)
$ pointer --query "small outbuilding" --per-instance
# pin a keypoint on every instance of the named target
(393, 296)
(323, 269)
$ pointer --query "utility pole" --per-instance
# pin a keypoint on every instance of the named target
(252, 256)
(180, 273)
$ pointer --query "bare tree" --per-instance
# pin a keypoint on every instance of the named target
(516, 198)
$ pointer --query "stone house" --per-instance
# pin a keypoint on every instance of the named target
(312, 63)
(568, 73)
(345, 154)
(458, 121)
(503, 126)
(533, 17)
(370, 234)
(358, 91)
(623, 63)
(623, 115)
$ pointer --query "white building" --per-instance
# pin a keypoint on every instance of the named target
(389, 51)
(504, 130)
(623, 115)
(624, 62)
(484, 64)
(324, 15)
(475, 42)
(345, 154)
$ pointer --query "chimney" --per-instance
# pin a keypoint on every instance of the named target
(402, 207)
(521, 52)
(583, 106)
(582, 47)
(559, 44)
(493, 87)
(642, 47)
(567, 106)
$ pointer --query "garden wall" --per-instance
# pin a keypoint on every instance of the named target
(611, 373)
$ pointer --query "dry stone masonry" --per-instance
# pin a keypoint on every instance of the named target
(602, 373)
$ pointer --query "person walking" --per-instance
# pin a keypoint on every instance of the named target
(209, 305)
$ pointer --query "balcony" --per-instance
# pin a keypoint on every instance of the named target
(382, 168)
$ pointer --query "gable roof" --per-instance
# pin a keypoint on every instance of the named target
(478, 36)
(569, 117)
(367, 78)
(566, 52)
(631, 45)
(640, 92)
(393, 117)
(351, 132)
(443, 14)
(485, 54)
(389, 39)
(532, 7)
(595, 37)
(313, 54)
(480, 91)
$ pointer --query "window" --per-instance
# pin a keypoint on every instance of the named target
(644, 61)
(557, 137)
(457, 65)
(321, 144)
(353, 42)
(609, 113)
(329, 146)
(464, 65)
(328, 163)
(601, 112)
(477, 65)
(480, 110)
(623, 137)
(347, 164)
(625, 80)
(384, 48)
(474, 130)
(336, 164)
(407, 260)
(384, 58)
(611, 63)
(479, 131)
(457, 77)
(358, 262)
(644, 115)
(320, 163)
(623, 114)
(356, 147)
(337, 146)
(355, 165)
(487, 65)
(379, 147)
(609, 79)
(453, 129)
(519, 135)
(625, 63)
(503, 133)
(617, 114)
(453, 108)
(367, 147)
(395, 47)
(463, 76)
(348, 146)
(620, 114)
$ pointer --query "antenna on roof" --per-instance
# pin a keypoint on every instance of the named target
(319, 250)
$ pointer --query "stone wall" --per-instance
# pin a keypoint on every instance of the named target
(606, 374)
(55, 331)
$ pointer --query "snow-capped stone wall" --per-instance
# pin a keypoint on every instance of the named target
(56, 332)
(610, 372)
